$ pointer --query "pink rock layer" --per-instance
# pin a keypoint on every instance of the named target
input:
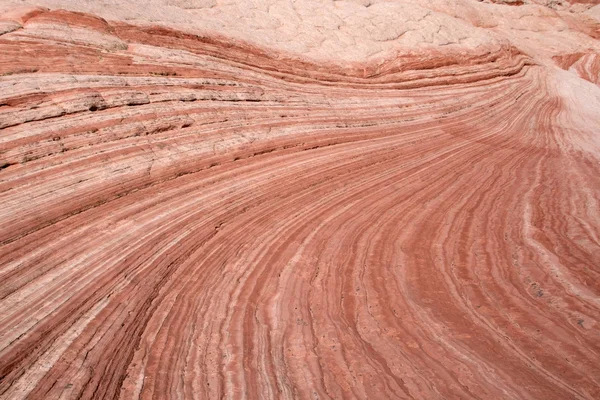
(189, 216)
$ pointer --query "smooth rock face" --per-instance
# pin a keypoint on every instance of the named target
(349, 199)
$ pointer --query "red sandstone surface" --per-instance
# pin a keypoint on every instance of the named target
(264, 200)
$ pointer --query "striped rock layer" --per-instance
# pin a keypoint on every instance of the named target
(189, 216)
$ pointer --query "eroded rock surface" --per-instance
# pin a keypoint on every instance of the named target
(349, 199)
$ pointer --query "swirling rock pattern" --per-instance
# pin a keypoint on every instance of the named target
(195, 216)
(586, 65)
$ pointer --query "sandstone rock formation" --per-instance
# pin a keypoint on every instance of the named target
(279, 199)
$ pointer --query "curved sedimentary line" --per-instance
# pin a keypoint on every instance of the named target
(189, 217)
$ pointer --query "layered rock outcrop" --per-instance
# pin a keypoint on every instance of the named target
(380, 210)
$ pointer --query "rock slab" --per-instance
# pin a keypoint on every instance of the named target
(293, 202)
